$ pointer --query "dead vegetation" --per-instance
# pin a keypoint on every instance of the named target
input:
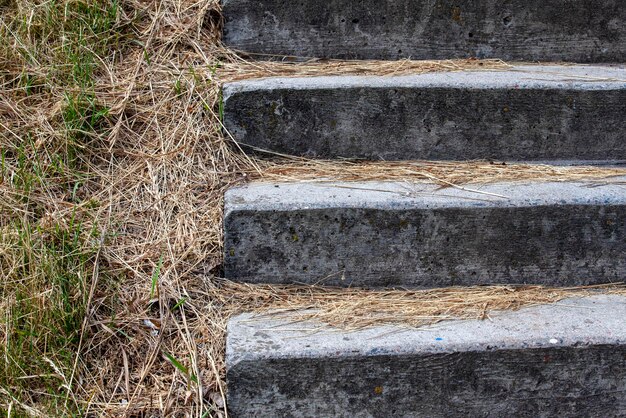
(243, 69)
(113, 168)
(446, 174)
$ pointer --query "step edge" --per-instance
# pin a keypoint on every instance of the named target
(604, 330)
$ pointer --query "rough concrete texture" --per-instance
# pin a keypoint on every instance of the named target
(527, 30)
(540, 113)
(376, 234)
(567, 359)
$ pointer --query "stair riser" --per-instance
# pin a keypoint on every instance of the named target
(586, 381)
(575, 245)
(328, 119)
(390, 244)
(526, 30)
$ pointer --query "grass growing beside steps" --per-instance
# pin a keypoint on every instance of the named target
(49, 117)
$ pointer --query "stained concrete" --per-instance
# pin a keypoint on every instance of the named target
(527, 113)
(566, 359)
(527, 30)
(375, 234)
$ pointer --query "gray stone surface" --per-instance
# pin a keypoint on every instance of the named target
(376, 234)
(528, 30)
(566, 359)
(531, 113)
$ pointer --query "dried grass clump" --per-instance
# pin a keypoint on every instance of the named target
(242, 69)
(125, 159)
(353, 309)
(445, 173)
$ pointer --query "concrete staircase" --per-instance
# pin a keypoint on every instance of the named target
(567, 359)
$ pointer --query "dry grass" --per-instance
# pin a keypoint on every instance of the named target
(353, 309)
(441, 172)
(241, 69)
(113, 171)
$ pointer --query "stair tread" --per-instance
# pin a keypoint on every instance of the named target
(567, 357)
(525, 113)
(566, 75)
(576, 321)
(377, 234)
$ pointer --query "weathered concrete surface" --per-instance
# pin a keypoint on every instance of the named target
(567, 359)
(376, 234)
(540, 113)
(528, 30)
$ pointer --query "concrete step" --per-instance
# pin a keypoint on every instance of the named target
(529, 30)
(375, 234)
(567, 359)
(528, 113)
